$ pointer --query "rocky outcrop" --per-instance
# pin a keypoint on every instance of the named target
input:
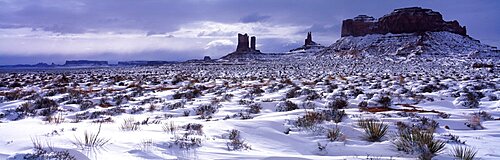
(308, 44)
(413, 31)
(243, 42)
(404, 20)
(207, 58)
(243, 49)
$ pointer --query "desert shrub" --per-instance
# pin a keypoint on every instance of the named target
(256, 91)
(385, 101)
(474, 122)
(462, 152)
(235, 141)
(245, 102)
(373, 130)
(334, 115)
(429, 89)
(194, 128)
(254, 108)
(91, 140)
(129, 124)
(186, 142)
(41, 106)
(286, 106)
(45, 106)
(56, 119)
(189, 94)
(173, 106)
(119, 100)
(227, 97)
(292, 93)
(169, 127)
(420, 123)
(363, 104)
(308, 105)
(47, 152)
(86, 104)
(334, 134)
(337, 104)
(310, 119)
(469, 99)
(311, 95)
(412, 140)
(205, 110)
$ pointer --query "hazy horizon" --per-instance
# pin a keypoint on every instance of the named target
(55, 31)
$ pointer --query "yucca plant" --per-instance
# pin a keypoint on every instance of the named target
(374, 129)
(463, 152)
(412, 140)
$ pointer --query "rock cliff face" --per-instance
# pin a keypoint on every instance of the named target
(404, 20)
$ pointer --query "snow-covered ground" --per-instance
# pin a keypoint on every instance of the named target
(252, 110)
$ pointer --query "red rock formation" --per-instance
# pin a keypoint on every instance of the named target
(404, 20)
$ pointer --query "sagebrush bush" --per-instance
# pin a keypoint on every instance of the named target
(254, 108)
(47, 152)
(194, 128)
(337, 104)
(86, 104)
(205, 110)
(334, 115)
(385, 101)
(310, 119)
(235, 141)
(286, 106)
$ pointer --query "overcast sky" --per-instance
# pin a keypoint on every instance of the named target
(33, 31)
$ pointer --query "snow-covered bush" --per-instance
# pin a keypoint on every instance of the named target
(310, 119)
(205, 110)
(286, 106)
(236, 142)
(254, 108)
(337, 104)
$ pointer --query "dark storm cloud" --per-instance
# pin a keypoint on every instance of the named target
(79, 18)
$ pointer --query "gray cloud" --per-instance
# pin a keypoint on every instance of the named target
(255, 17)
(168, 19)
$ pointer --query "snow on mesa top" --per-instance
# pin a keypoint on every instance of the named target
(407, 31)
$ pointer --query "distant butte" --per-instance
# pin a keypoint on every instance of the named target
(404, 20)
